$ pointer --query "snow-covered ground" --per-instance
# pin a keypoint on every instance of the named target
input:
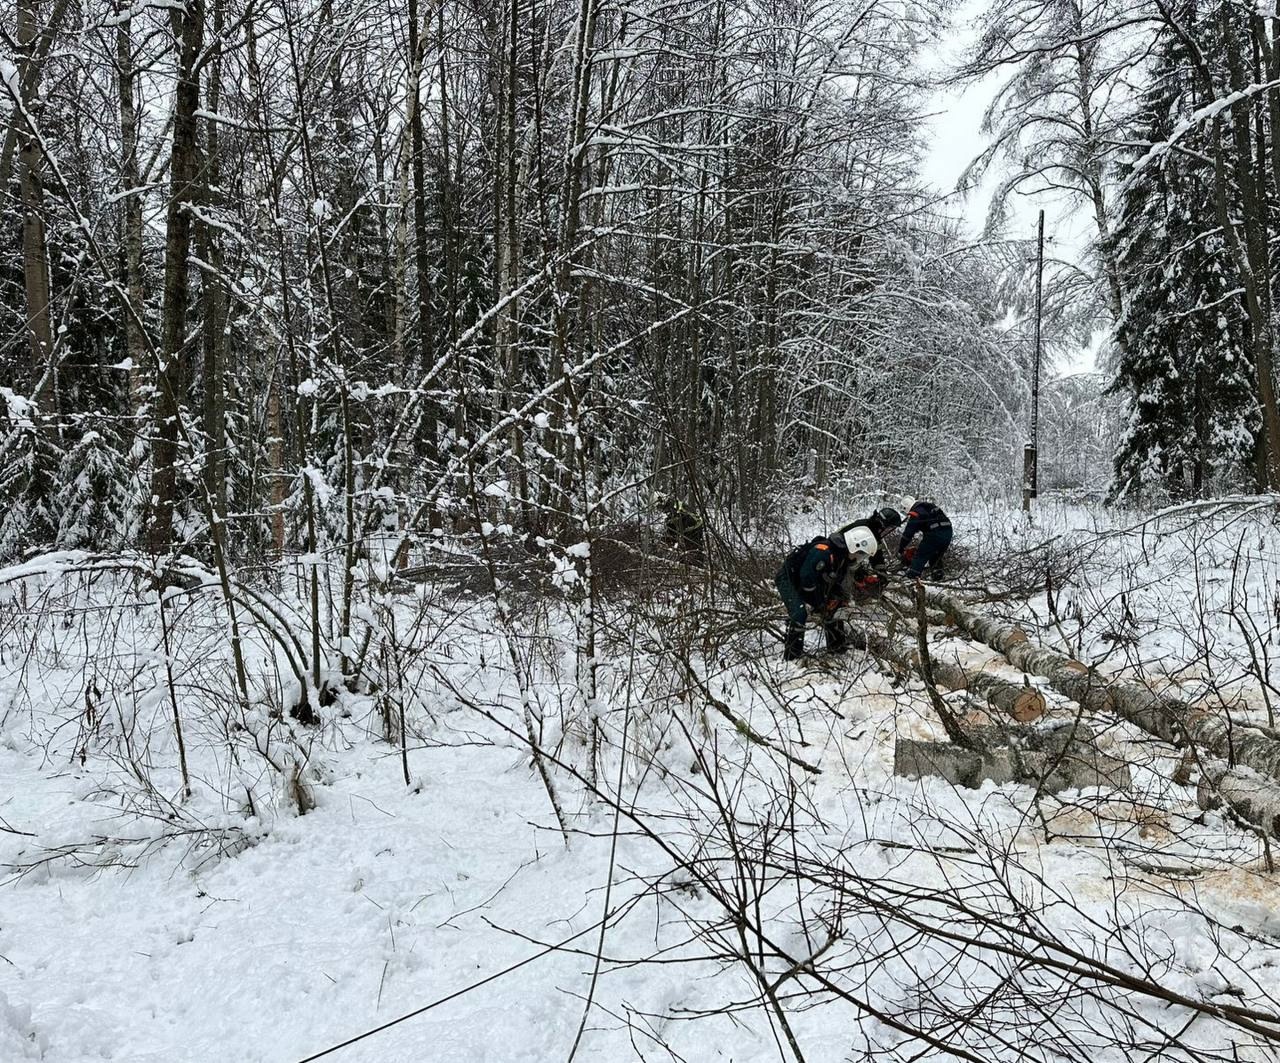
(753, 908)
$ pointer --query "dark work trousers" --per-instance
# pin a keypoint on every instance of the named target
(797, 614)
(933, 544)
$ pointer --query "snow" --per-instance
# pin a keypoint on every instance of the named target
(1180, 596)
(335, 923)
(222, 119)
(20, 409)
(1193, 121)
(9, 75)
(142, 925)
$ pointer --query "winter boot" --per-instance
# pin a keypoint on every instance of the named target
(837, 640)
(794, 647)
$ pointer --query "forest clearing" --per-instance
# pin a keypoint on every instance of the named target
(721, 862)
(674, 530)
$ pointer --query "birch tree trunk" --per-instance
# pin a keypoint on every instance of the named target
(1016, 701)
(1166, 717)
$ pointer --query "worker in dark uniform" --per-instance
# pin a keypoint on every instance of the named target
(813, 579)
(684, 528)
(934, 528)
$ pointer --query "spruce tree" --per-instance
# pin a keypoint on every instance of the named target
(29, 462)
(1184, 367)
(92, 500)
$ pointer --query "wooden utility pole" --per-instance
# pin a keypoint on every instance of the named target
(1030, 460)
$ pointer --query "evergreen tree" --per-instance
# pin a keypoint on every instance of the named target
(92, 501)
(29, 460)
(1193, 417)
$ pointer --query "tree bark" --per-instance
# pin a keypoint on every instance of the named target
(131, 203)
(35, 253)
(1251, 797)
(1251, 200)
(275, 460)
(1168, 718)
(1016, 701)
(214, 305)
(188, 30)
(428, 348)
(29, 67)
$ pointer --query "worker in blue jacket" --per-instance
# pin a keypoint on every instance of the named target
(928, 521)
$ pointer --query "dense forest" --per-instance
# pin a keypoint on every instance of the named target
(280, 273)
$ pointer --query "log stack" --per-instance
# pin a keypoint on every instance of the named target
(1162, 715)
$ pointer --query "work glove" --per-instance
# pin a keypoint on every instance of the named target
(868, 586)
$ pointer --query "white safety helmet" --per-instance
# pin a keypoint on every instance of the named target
(860, 543)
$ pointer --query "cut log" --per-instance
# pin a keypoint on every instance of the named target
(1064, 757)
(1162, 715)
(1028, 706)
(1250, 796)
(1018, 701)
(978, 716)
(959, 766)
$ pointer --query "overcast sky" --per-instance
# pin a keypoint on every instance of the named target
(955, 139)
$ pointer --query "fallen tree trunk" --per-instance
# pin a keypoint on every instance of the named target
(1061, 757)
(1255, 800)
(1162, 715)
(1246, 767)
(1248, 795)
(1018, 701)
